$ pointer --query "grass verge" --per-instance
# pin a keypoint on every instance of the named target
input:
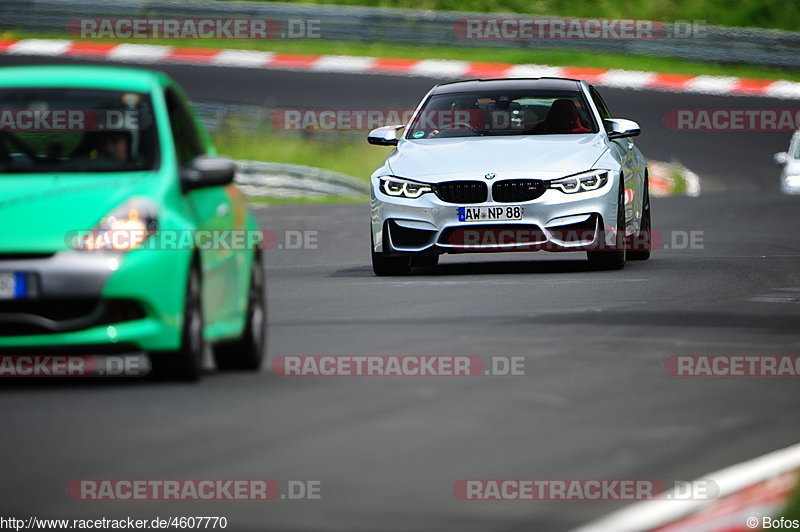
(792, 510)
(347, 155)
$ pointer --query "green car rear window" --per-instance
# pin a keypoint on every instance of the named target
(76, 130)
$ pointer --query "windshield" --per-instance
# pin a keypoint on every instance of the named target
(76, 130)
(503, 112)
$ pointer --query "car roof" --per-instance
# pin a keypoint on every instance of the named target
(94, 77)
(544, 84)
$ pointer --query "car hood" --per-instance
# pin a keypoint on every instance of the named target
(38, 211)
(535, 156)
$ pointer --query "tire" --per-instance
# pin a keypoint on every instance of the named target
(612, 259)
(384, 266)
(642, 240)
(247, 352)
(424, 261)
(186, 363)
(390, 266)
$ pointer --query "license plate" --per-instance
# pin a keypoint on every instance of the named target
(13, 285)
(509, 213)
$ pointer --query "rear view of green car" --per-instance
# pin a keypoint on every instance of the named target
(122, 230)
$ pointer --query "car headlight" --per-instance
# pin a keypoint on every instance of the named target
(123, 229)
(403, 188)
(793, 180)
(583, 182)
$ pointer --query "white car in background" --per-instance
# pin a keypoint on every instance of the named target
(790, 160)
(510, 165)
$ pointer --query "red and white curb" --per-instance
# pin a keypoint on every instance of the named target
(664, 179)
(755, 489)
(436, 68)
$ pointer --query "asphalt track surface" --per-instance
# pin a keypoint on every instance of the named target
(595, 402)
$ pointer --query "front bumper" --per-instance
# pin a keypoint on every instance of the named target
(555, 221)
(93, 301)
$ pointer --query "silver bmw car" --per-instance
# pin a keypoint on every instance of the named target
(790, 160)
(509, 165)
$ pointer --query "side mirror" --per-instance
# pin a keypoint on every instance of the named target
(781, 158)
(384, 136)
(206, 171)
(620, 128)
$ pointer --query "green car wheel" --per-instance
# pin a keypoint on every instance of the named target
(247, 352)
(187, 362)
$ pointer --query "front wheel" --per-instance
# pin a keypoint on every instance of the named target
(247, 352)
(425, 261)
(642, 241)
(383, 265)
(186, 363)
(389, 266)
(614, 258)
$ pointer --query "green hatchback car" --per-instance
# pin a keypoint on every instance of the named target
(122, 230)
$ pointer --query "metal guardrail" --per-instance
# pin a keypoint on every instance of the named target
(404, 26)
(276, 180)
